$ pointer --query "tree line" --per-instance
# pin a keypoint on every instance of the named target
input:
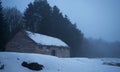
(100, 48)
(10, 23)
(40, 17)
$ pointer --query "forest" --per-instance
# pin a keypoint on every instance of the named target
(40, 17)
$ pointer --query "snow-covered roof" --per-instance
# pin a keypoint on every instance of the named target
(45, 40)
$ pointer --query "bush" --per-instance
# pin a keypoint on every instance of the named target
(1, 67)
(112, 64)
(32, 66)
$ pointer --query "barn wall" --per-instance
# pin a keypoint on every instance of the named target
(59, 51)
(22, 43)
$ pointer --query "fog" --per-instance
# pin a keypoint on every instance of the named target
(96, 18)
(99, 21)
(100, 48)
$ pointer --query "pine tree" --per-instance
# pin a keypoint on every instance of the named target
(3, 30)
(50, 21)
(36, 15)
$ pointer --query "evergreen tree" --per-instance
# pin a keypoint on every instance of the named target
(3, 30)
(50, 21)
(65, 30)
(36, 15)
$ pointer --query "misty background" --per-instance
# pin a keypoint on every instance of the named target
(98, 20)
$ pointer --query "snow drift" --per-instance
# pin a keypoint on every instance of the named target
(12, 63)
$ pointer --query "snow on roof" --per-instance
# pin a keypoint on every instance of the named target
(45, 40)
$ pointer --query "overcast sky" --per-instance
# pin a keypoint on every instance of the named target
(95, 18)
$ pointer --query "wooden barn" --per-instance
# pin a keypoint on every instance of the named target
(28, 42)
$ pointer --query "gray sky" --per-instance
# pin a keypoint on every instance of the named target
(95, 18)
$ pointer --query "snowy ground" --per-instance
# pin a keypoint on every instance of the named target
(12, 62)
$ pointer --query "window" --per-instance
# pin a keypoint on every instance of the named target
(53, 52)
